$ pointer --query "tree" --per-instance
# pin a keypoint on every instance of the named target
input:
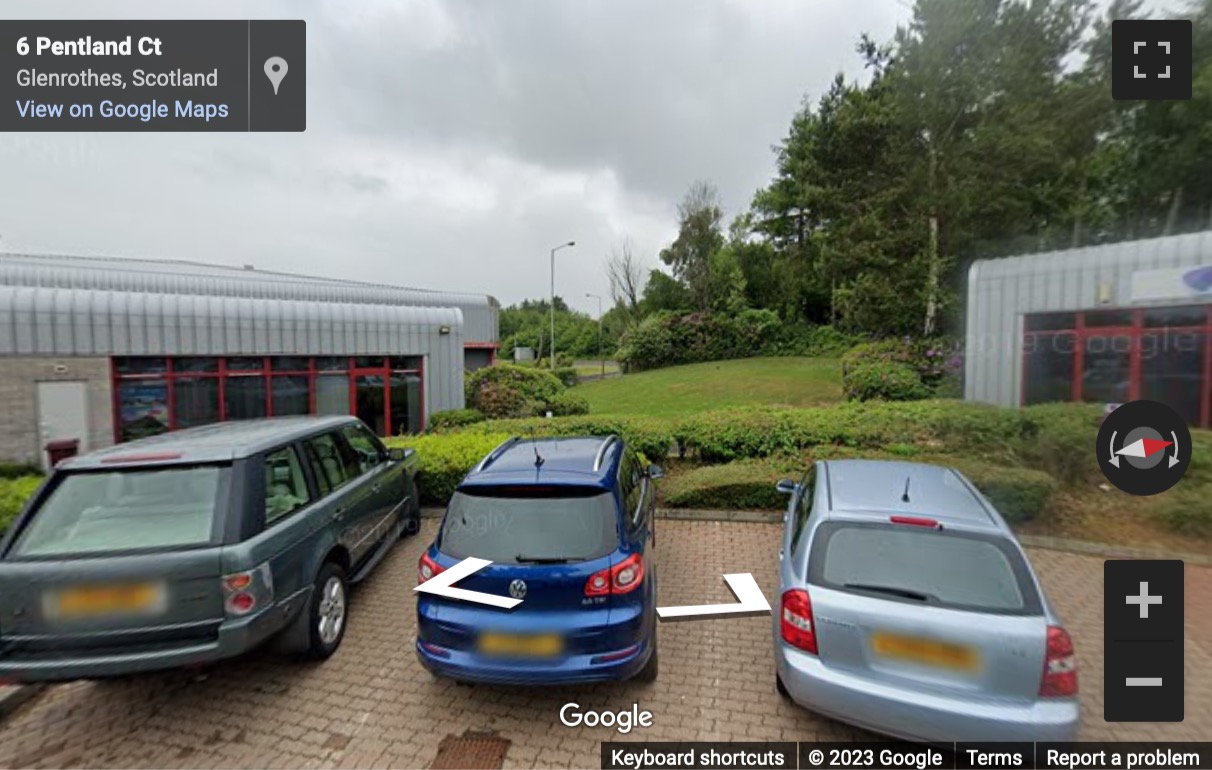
(699, 236)
(626, 276)
(664, 293)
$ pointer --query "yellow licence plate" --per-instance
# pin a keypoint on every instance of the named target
(530, 646)
(928, 651)
(106, 600)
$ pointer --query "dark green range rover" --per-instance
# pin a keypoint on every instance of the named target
(198, 545)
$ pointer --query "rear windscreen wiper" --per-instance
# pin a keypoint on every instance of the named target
(521, 559)
(905, 593)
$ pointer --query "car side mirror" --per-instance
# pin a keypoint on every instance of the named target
(395, 454)
(786, 487)
(655, 472)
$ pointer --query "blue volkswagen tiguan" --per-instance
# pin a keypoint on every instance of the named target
(568, 526)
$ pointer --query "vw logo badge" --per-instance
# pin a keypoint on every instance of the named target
(517, 589)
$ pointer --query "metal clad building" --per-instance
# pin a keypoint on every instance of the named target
(481, 313)
(99, 351)
(1103, 324)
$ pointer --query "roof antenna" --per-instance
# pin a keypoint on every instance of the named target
(905, 497)
(534, 443)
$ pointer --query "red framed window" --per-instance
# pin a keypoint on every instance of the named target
(154, 394)
(1122, 354)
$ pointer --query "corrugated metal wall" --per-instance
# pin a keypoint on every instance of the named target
(1000, 291)
(78, 322)
(480, 312)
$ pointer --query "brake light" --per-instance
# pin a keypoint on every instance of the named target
(1060, 665)
(622, 578)
(795, 620)
(916, 521)
(243, 592)
(427, 568)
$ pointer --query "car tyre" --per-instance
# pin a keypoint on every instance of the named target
(327, 612)
(782, 688)
(412, 518)
(649, 672)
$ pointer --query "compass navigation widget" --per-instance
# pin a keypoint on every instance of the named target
(1144, 447)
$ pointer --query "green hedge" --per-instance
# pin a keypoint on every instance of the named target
(454, 418)
(568, 405)
(1185, 510)
(13, 494)
(567, 375)
(1019, 494)
(18, 470)
(749, 432)
(740, 485)
(506, 390)
(888, 381)
(651, 436)
(445, 459)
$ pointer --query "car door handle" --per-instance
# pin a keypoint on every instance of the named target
(339, 513)
(375, 488)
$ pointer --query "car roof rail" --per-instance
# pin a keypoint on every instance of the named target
(496, 453)
(597, 461)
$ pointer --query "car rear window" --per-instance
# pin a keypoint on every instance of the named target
(939, 568)
(512, 524)
(123, 510)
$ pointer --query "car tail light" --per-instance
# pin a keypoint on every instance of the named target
(622, 578)
(795, 620)
(427, 568)
(916, 521)
(244, 592)
(1060, 665)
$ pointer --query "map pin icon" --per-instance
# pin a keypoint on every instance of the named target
(275, 70)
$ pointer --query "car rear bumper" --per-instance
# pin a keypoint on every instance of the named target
(918, 715)
(232, 638)
(570, 669)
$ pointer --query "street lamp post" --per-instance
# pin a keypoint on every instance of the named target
(600, 356)
(553, 251)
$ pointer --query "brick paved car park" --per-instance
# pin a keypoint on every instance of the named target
(372, 705)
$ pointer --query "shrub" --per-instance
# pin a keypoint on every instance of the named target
(568, 404)
(1185, 510)
(884, 380)
(802, 339)
(18, 470)
(445, 459)
(511, 391)
(747, 432)
(454, 418)
(1019, 494)
(937, 361)
(567, 375)
(669, 339)
(648, 435)
(1059, 439)
(14, 492)
(744, 484)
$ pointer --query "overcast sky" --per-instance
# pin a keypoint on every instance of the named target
(451, 143)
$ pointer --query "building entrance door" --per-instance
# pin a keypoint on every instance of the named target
(62, 415)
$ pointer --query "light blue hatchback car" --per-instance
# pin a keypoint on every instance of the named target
(907, 607)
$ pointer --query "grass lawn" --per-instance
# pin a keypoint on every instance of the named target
(680, 390)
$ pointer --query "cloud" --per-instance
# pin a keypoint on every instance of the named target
(451, 143)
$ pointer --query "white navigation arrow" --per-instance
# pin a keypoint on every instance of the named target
(442, 584)
(1174, 457)
(744, 587)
